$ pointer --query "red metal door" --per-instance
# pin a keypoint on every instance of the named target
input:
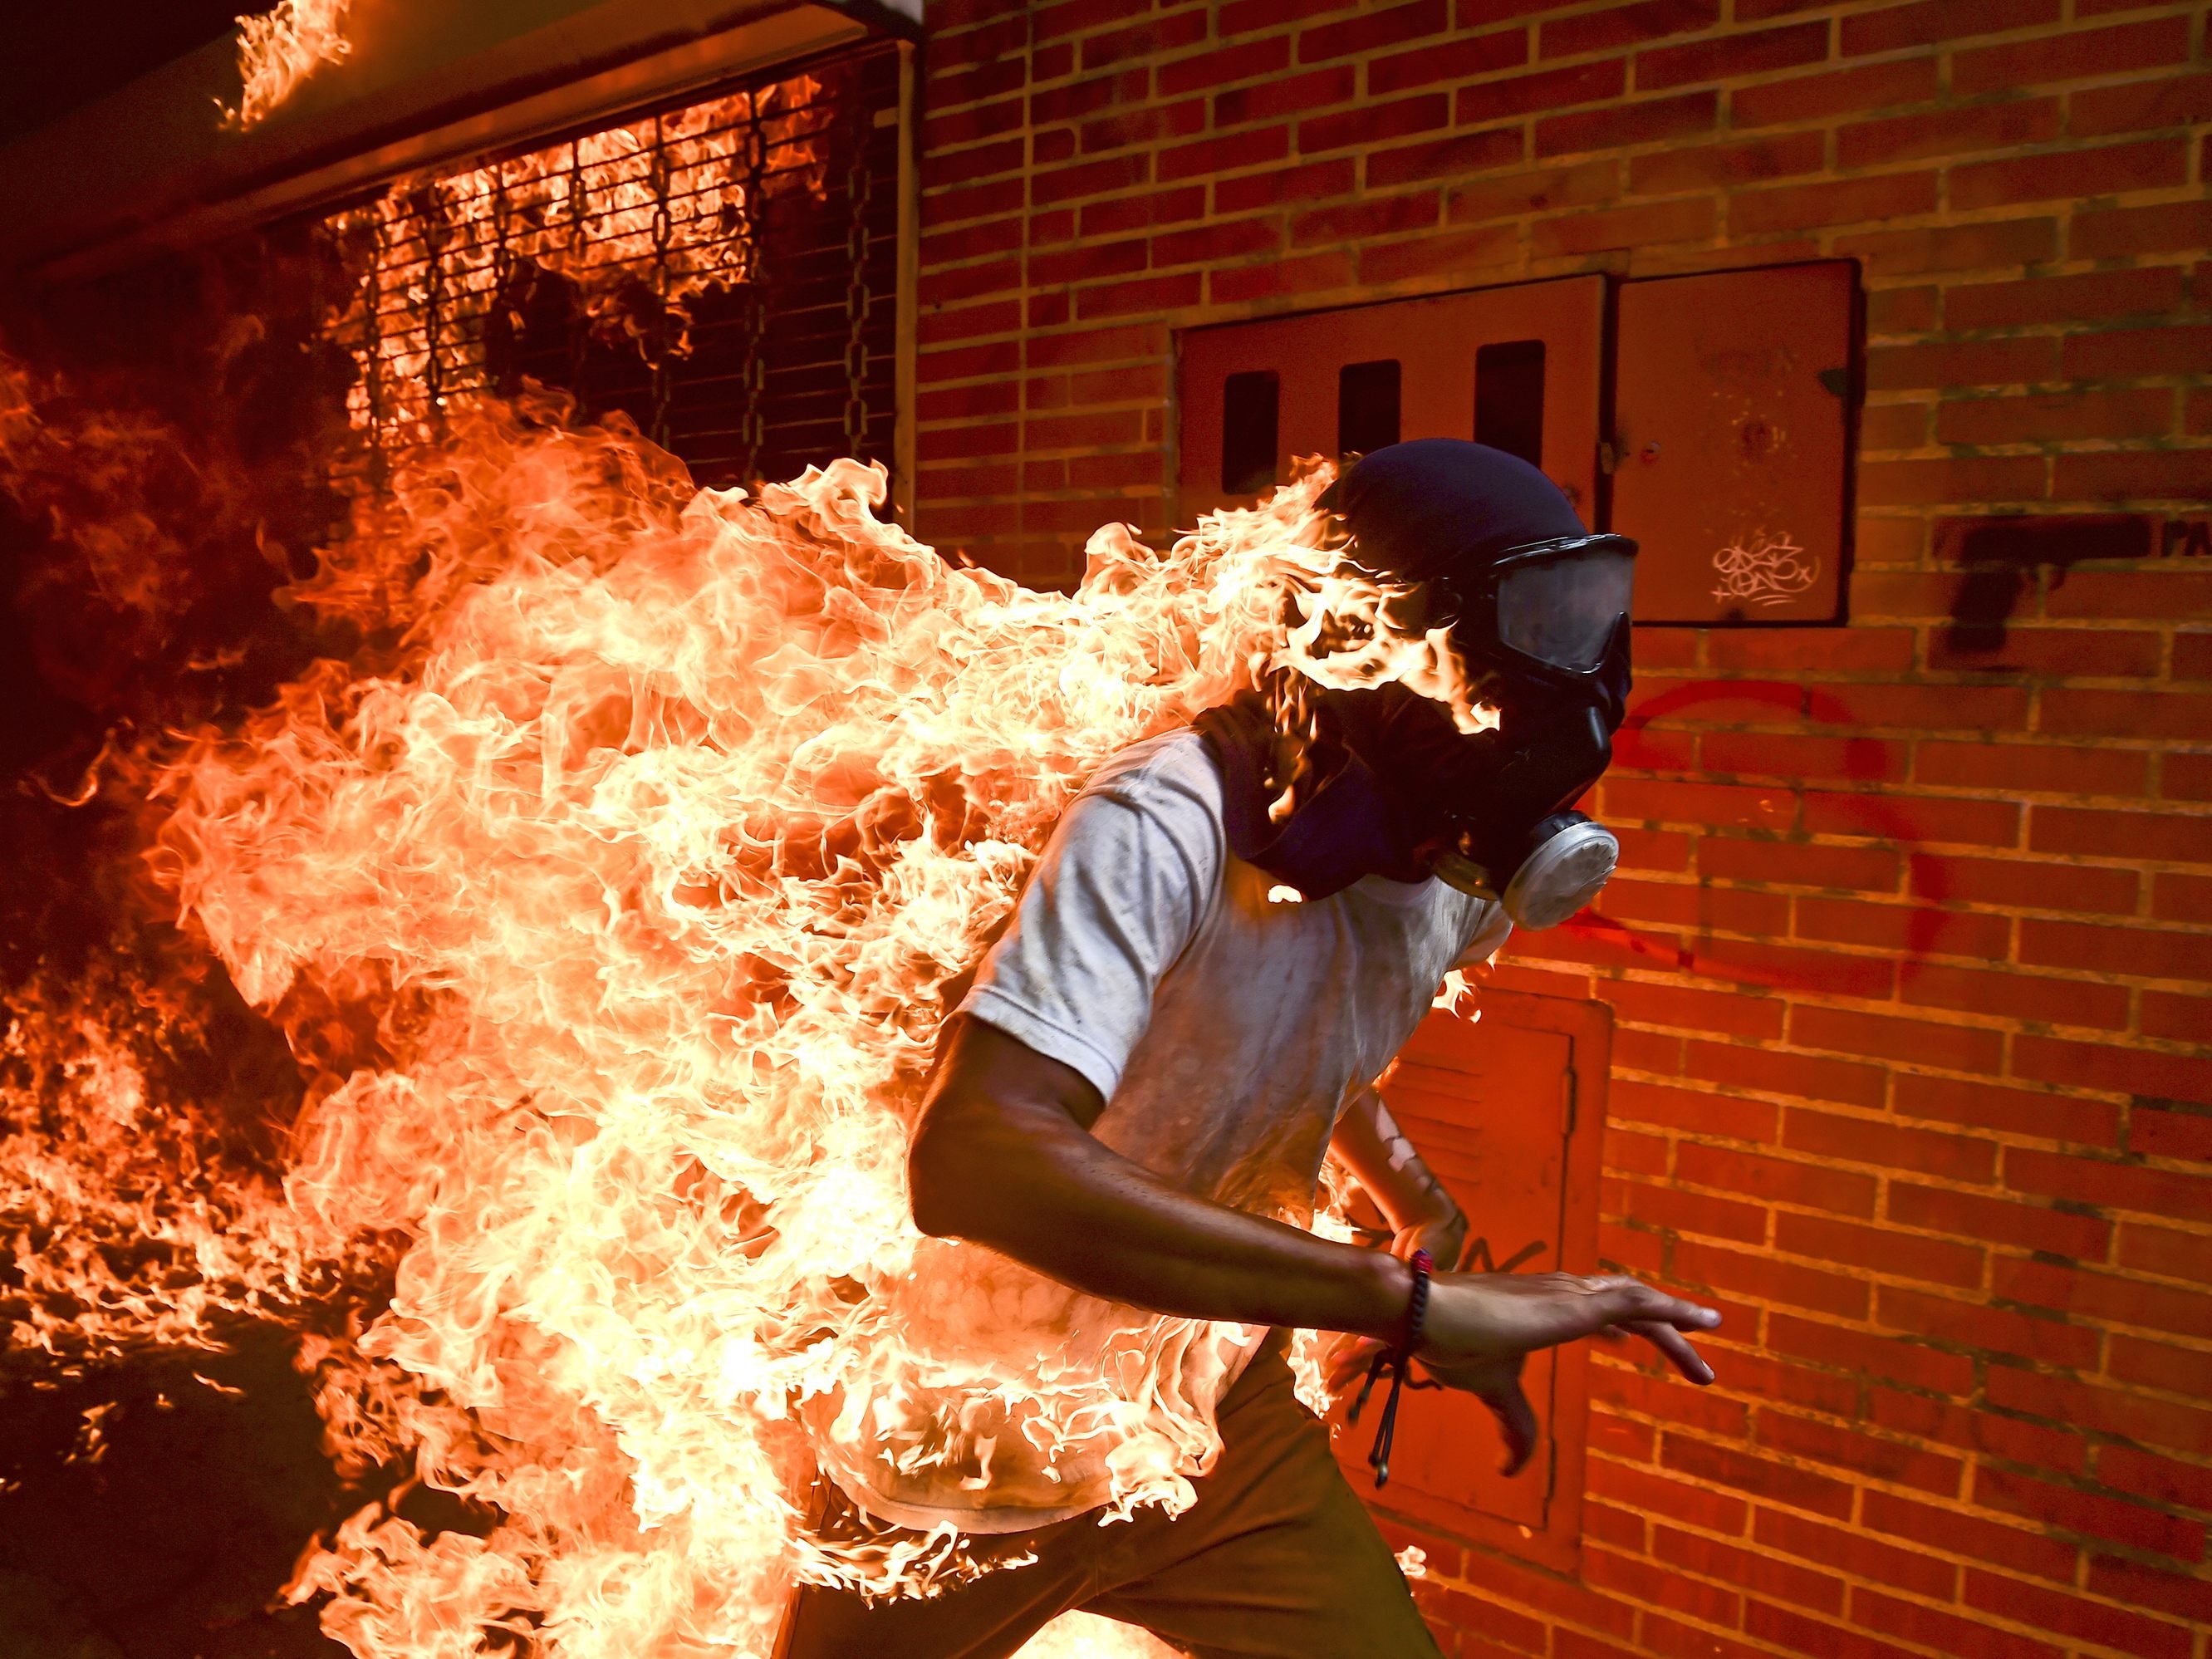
(1509, 1111)
(1518, 367)
(1733, 417)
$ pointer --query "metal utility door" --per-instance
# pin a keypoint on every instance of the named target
(1514, 367)
(1509, 1111)
(1733, 419)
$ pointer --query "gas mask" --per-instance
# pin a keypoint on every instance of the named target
(1545, 630)
(1538, 610)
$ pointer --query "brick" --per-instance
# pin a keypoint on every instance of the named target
(2051, 999)
(1723, 1466)
(1227, 239)
(2151, 953)
(1141, 340)
(1355, 221)
(1678, 904)
(1271, 189)
(1915, 821)
(2009, 1438)
(2066, 653)
(2082, 1512)
(2069, 173)
(1726, 56)
(1967, 1638)
(2109, 1185)
(2107, 1297)
(2129, 713)
(1701, 804)
(2095, 296)
(1879, 1249)
(1893, 427)
(1855, 1553)
(2049, 768)
(1072, 18)
(1669, 1400)
(1546, 90)
(2183, 475)
(2161, 1364)
(1699, 1213)
(1391, 27)
(1946, 133)
(2177, 100)
(1785, 968)
(1954, 479)
(1993, 1330)
(2018, 1110)
(1912, 930)
(2116, 232)
(1930, 21)
(1916, 1041)
(2185, 1597)
(1794, 1631)
(1464, 252)
(1543, 190)
(1997, 1221)
(1225, 153)
(1313, 273)
(1626, 25)
(2165, 1014)
(1720, 1013)
(1086, 263)
(1944, 1528)
(1656, 1494)
(1989, 244)
(1955, 364)
(1448, 60)
(1894, 311)
(1803, 864)
(1143, 126)
(1840, 202)
(1749, 1569)
(1242, 16)
(2075, 54)
(1638, 122)
(1869, 760)
(2133, 1069)
(1439, 158)
(2161, 1479)
(1875, 1456)
(1843, 92)
(1371, 122)
(1297, 94)
(2055, 416)
(1810, 1186)
(1247, 60)
(1153, 39)
(1763, 1279)
(2180, 837)
(2026, 884)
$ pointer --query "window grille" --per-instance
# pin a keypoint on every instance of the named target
(722, 270)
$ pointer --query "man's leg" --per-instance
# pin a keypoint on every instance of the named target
(1278, 1558)
(989, 1617)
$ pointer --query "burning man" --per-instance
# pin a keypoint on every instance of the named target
(1231, 932)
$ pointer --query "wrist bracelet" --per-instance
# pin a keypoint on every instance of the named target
(1395, 1360)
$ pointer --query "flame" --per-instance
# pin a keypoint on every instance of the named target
(642, 218)
(279, 49)
(610, 899)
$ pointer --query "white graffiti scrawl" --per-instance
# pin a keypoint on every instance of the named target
(1763, 569)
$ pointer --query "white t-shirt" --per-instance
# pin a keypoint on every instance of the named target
(1226, 1029)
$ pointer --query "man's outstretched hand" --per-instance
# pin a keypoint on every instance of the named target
(1480, 1326)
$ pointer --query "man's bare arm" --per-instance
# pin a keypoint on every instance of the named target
(1003, 1156)
(1369, 1142)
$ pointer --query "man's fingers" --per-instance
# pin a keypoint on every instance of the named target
(1636, 1303)
(1672, 1343)
(1517, 1421)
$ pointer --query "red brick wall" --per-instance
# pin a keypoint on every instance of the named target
(1911, 977)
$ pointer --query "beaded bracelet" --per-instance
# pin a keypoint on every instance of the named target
(1395, 1360)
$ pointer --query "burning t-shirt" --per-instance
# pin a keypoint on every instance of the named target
(1225, 1028)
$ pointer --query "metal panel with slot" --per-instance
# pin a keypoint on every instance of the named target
(1516, 367)
(1734, 414)
(1510, 1112)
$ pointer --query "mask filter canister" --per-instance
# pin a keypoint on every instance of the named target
(1569, 858)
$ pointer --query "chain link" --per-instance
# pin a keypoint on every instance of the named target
(858, 181)
(664, 374)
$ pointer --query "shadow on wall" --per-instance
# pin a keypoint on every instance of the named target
(2000, 558)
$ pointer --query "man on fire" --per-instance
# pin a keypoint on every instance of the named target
(1137, 1094)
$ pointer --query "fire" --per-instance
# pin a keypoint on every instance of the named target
(279, 49)
(610, 900)
(642, 218)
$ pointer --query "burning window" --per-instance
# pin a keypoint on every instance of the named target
(721, 271)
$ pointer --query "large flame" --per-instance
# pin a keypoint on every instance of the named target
(280, 48)
(611, 897)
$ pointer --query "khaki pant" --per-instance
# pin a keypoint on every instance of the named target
(1277, 1559)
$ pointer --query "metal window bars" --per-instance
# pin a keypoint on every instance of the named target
(671, 265)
